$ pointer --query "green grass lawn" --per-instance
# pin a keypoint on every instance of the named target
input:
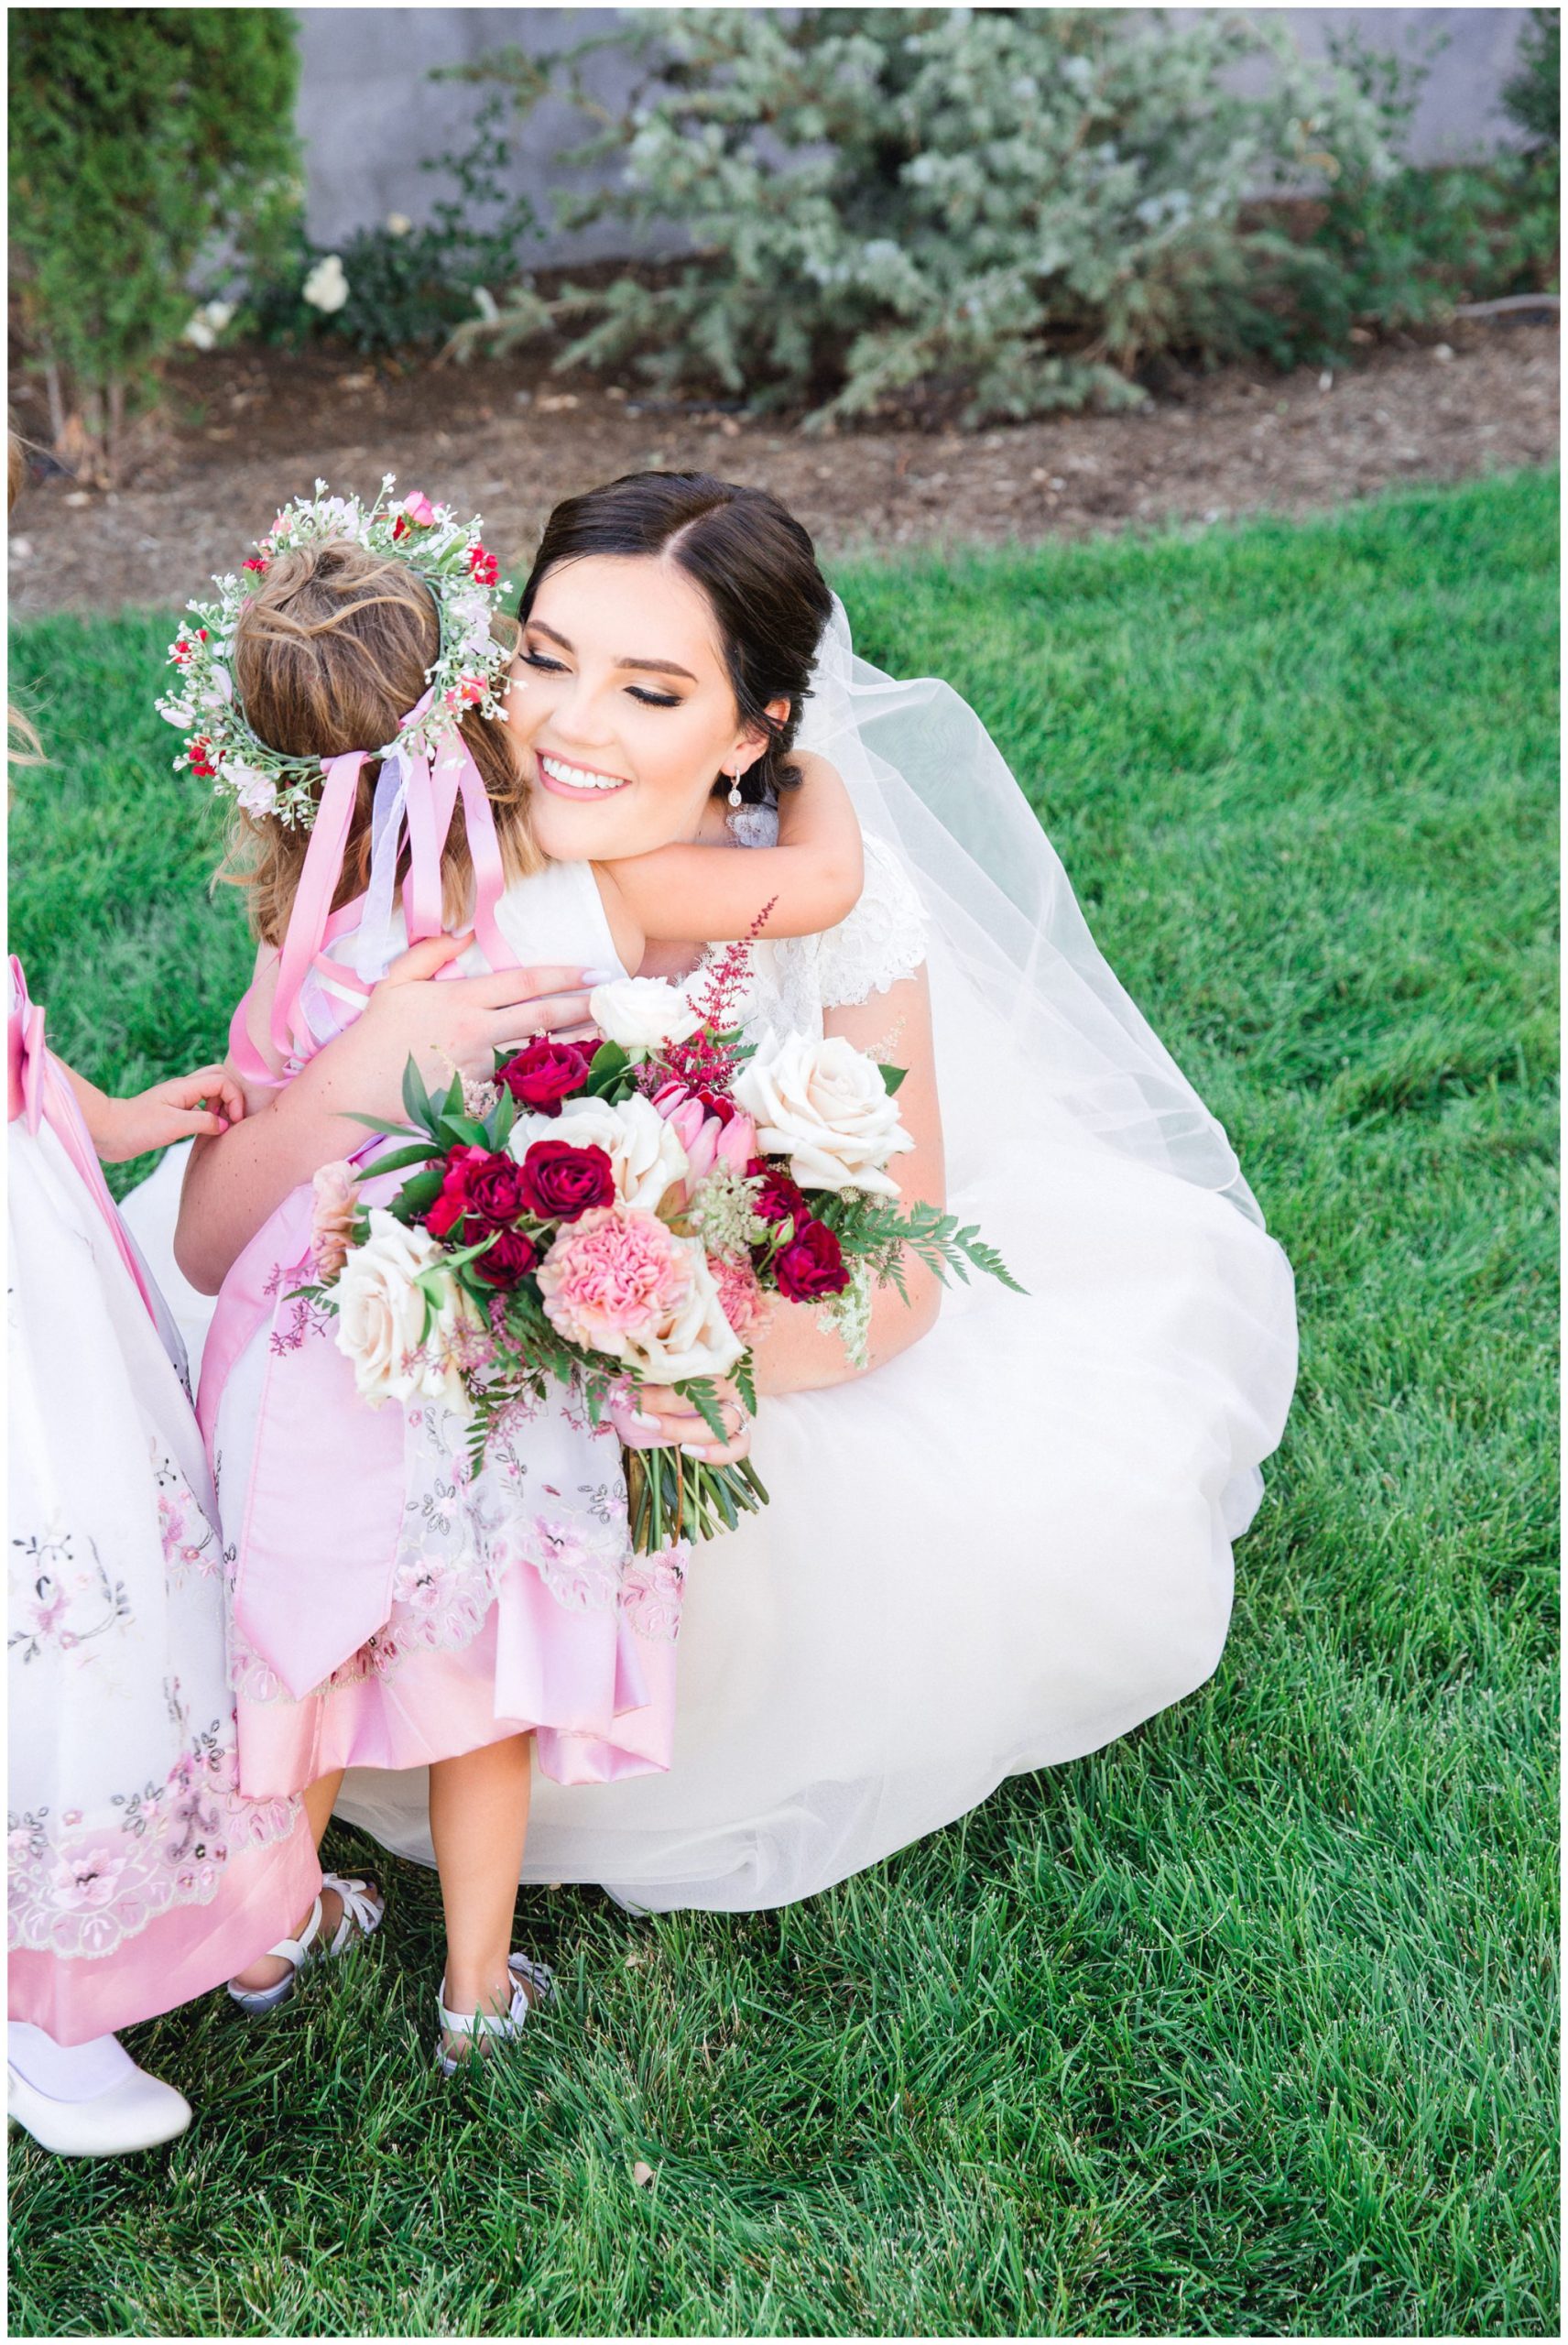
(1245, 2025)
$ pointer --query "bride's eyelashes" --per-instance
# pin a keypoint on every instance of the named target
(542, 660)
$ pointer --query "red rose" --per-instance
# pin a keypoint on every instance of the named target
(483, 567)
(496, 1195)
(511, 1258)
(452, 1202)
(811, 1264)
(259, 563)
(778, 1198)
(560, 1181)
(545, 1074)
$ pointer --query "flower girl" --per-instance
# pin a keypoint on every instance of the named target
(390, 1609)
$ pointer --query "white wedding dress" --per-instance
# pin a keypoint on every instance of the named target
(1012, 1543)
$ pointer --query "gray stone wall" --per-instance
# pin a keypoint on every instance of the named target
(368, 112)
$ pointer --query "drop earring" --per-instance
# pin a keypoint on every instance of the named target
(734, 790)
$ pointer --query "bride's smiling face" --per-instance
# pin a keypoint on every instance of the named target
(622, 705)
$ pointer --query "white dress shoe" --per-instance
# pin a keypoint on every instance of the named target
(135, 2112)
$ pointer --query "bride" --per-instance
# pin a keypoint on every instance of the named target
(1009, 1542)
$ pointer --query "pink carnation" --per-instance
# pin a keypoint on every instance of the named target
(746, 1306)
(334, 1203)
(612, 1277)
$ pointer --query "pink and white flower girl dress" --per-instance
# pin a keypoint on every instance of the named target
(389, 1611)
(139, 1875)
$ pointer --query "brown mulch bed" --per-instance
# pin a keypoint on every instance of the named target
(244, 430)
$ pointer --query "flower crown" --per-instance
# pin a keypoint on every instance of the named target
(469, 670)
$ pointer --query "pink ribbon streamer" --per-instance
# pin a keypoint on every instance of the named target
(430, 799)
(40, 1093)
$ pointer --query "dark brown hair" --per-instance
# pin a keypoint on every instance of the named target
(752, 561)
(331, 653)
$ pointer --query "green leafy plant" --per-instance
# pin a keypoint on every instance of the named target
(407, 284)
(997, 211)
(138, 135)
(1401, 248)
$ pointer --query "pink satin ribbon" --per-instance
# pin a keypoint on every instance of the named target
(429, 802)
(40, 1093)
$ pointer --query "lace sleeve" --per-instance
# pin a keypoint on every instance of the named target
(884, 938)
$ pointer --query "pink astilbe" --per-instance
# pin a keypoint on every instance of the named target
(706, 1063)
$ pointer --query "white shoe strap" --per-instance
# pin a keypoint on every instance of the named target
(484, 2022)
(360, 1909)
(295, 1950)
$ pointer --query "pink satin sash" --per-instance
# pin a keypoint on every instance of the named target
(40, 1093)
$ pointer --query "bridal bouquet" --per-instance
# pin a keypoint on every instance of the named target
(626, 1216)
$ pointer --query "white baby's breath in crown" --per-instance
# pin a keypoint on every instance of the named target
(470, 670)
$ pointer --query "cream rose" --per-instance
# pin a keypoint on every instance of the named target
(825, 1106)
(641, 1012)
(644, 1151)
(382, 1313)
(695, 1339)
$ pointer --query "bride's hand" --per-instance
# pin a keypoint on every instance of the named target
(459, 1023)
(661, 1419)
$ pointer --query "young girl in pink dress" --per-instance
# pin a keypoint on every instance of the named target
(138, 1874)
(389, 1609)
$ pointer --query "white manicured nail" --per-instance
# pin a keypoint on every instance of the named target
(598, 977)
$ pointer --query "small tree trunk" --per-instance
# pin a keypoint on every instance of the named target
(56, 406)
(113, 431)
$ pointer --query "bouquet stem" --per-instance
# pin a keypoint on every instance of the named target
(672, 1498)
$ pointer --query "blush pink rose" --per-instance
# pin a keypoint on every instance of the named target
(612, 1276)
(334, 1201)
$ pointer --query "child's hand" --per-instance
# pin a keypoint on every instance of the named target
(204, 1103)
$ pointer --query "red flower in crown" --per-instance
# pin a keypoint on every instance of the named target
(483, 567)
(202, 764)
(258, 562)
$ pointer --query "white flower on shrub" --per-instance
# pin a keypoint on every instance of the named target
(207, 324)
(382, 1312)
(326, 287)
(826, 1108)
(641, 1012)
(399, 224)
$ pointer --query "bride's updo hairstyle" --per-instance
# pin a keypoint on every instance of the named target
(754, 562)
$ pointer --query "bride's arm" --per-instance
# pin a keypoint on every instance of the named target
(797, 1355)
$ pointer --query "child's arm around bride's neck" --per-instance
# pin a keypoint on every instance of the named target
(701, 895)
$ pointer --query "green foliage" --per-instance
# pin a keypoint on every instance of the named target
(1533, 98)
(1400, 249)
(409, 285)
(1009, 209)
(137, 135)
(1243, 2026)
(995, 213)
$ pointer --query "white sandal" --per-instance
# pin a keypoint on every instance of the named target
(364, 1904)
(506, 2025)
